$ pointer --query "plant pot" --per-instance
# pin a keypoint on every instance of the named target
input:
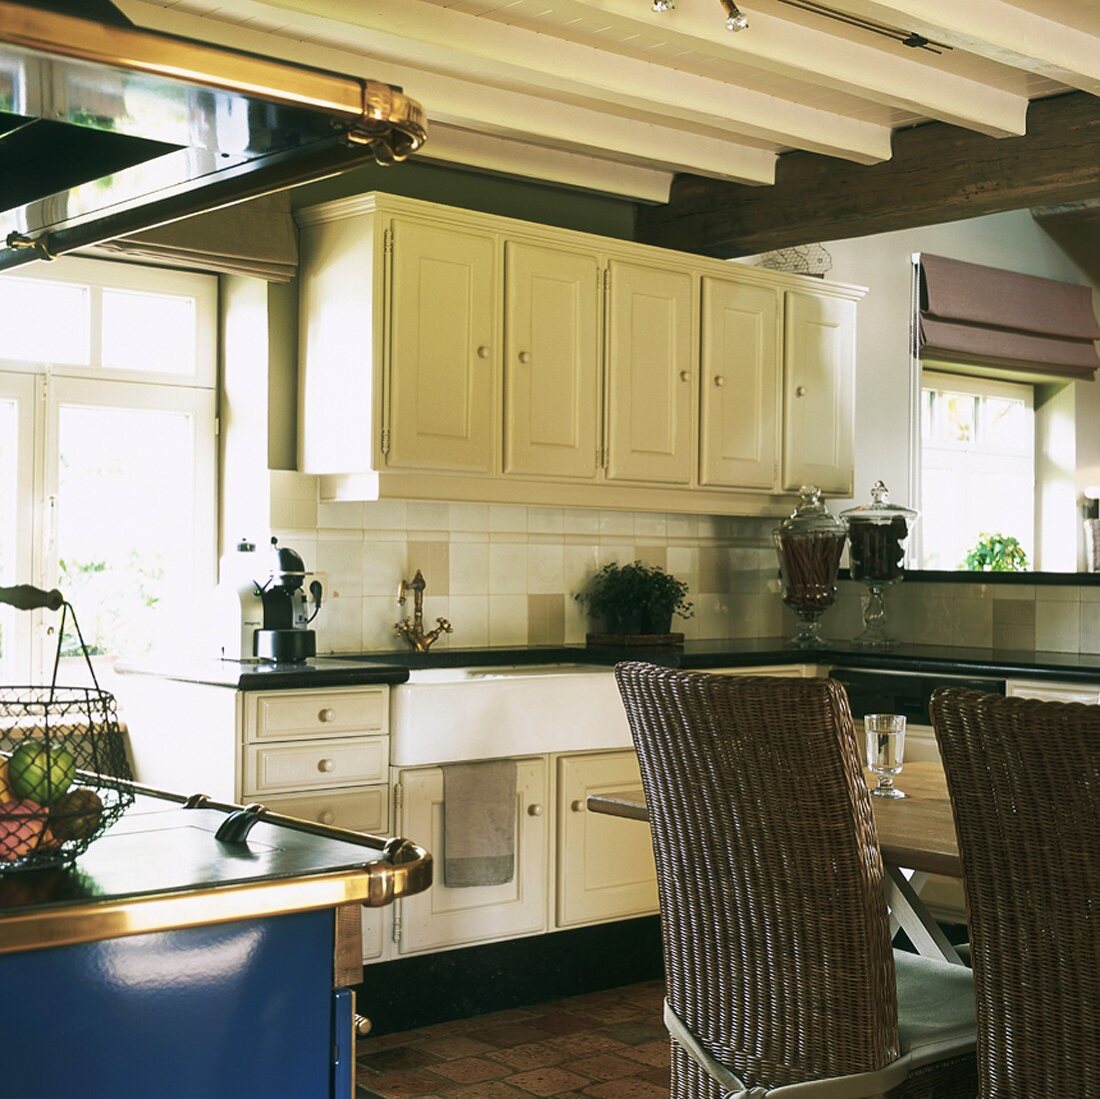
(656, 621)
(628, 621)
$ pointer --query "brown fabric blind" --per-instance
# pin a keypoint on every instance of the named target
(256, 238)
(990, 317)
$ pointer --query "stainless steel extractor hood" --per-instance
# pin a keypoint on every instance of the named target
(107, 129)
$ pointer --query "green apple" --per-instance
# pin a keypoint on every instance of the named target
(40, 772)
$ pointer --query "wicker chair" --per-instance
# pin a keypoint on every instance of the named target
(1024, 778)
(776, 938)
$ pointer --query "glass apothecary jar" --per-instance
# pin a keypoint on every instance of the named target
(877, 533)
(809, 544)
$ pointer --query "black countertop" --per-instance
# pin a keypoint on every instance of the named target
(394, 667)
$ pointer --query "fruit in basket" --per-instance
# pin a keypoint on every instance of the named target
(21, 824)
(5, 788)
(76, 815)
(40, 772)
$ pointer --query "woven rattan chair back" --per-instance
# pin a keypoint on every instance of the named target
(775, 932)
(1024, 779)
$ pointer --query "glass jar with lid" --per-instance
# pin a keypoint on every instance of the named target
(809, 543)
(877, 533)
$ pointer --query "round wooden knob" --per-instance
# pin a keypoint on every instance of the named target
(578, 806)
(719, 380)
(685, 375)
(525, 356)
(325, 766)
(483, 352)
(326, 816)
(534, 810)
(327, 714)
(800, 391)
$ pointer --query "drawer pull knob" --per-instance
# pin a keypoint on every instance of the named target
(525, 356)
(483, 352)
(326, 816)
(326, 765)
(800, 391)
(685, 375)
(719, 380)
(327, 714)
(578, 806)
(534, 810)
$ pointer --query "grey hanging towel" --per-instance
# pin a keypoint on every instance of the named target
(479, 823)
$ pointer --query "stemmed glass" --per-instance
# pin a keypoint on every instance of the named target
(885, 751)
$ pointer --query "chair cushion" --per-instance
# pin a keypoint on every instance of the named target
(935, 1007)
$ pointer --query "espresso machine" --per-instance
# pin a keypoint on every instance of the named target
(267, 619)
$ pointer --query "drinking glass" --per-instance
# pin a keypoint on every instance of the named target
(885, 751)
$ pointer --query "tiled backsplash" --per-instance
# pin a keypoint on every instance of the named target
(507, 575)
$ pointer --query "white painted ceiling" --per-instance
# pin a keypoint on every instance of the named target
(608, 94)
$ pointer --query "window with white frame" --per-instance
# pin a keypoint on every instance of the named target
(107, 455)
(977, 466)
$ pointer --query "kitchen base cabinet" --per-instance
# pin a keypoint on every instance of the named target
(605, 868)
(445, 917)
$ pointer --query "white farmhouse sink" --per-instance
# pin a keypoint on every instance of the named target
(443, 715)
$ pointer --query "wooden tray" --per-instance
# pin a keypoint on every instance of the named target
(632, 640)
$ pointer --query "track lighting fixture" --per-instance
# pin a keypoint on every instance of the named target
(735, 19)
(663, 5)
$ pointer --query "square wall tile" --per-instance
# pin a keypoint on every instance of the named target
(423, 515)
(545, 619)
(507, 518)
(339, 516)
(469, 517)
(433, 559)
(507, 568)
(581, 521)
(507, 619)
(654, 556)
(379, 616)
(1057, 626)
(470, 619)
(545, 521)
(384, 567)
(385, 515)
(339, 626)
(617, 524)
(341, 559)
(545, 569)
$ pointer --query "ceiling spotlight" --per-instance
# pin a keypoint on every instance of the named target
(735, 20)
(663, 5)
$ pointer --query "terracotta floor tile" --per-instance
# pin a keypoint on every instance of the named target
(395, 1059)
(547, 1081)
(503, 1035)
(604, 1066)
(656, 1053)
(407, 1085)
(490, 1089)
(635, 1033)
(471, 1070)
(658, 1076)
(529, 1055)
(584, 1043)
(565, 1022)
(452, 1046)
(628, 1088)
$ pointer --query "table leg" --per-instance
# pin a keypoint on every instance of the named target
(915, 920)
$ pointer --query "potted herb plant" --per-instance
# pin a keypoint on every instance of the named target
(996, 553)
(636, 599)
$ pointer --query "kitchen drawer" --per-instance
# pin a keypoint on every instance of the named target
(363, 810)
(290, 715)
(316, 765)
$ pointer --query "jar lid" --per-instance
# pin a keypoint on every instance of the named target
(811, 515)
(879, 510)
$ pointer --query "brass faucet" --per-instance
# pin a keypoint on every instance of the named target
(413, 632)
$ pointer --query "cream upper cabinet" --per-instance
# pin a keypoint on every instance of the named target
(739, 385)
(819, 375)
(442, 328)
(650, 367)
(551, 362)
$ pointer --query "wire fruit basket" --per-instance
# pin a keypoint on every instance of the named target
(64, 775)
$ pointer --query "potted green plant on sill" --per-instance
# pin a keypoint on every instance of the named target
(996, 553)
(636, 599)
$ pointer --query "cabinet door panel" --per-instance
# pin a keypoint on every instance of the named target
(551, 382)
(739, 378)
(649, 374)
(442, 310)
(442, 917)
(605, 863)
(818, 392)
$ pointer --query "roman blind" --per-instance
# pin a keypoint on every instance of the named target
(986, 316)
(256, 238)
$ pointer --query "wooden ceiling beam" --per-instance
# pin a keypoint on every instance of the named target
(938, 173)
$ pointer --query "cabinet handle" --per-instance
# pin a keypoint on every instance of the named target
(685, 375)
(577, 806)
(326, 816)
(800, 391)
(483, 352)
(719, 380)
(327, 714)
(525, 356)
(326, 765)
(534, 810)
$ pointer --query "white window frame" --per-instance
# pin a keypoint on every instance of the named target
(41, 388)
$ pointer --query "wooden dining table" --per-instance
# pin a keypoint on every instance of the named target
(916, 835)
